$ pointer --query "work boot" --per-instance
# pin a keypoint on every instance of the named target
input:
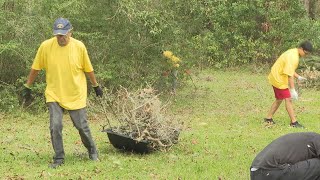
(94, 157)
(93, 154)
(56, 163)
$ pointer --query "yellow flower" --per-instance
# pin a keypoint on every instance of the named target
(167, 54)
(176, 65)
(175, 59)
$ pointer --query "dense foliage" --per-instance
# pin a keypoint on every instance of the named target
(125, 38)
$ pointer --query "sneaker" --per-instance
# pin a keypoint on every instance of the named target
(56, 163)
(296, 125)
(269, 121)
(94, 157)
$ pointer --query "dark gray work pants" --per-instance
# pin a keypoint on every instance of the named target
(79, 119)
(303, 170)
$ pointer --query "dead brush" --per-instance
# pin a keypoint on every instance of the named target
(139, 115)
(313, 78)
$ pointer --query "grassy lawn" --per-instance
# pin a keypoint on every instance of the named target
(223, 131)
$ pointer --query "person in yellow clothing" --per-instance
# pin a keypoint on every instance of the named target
(282, 77)
(66, 63)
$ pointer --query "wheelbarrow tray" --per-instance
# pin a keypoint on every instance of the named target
(126, 143)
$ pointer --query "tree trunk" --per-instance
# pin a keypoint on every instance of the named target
(311, 7)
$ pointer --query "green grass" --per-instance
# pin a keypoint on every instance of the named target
(223, 131)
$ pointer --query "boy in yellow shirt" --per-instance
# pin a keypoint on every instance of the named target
(282, 77)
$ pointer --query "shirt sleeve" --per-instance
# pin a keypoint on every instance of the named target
(38, 62)
(87, 66)
(291, 64)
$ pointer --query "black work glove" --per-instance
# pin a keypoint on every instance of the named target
(98, 91)
(26, 94)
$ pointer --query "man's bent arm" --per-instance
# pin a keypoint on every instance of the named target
(296, 75)
(291, 82)
(92, 78)
(32, 76)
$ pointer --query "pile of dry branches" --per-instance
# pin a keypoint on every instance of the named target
(313, 78)
(139, 115)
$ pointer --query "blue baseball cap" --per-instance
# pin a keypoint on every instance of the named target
(61, 26)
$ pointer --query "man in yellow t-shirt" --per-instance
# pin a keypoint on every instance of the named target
(66, 63)
(282, 77)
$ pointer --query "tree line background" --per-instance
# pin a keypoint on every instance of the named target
(125, 38)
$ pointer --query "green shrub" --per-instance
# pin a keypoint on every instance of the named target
(125, 38)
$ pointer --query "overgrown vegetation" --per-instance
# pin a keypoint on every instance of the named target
(125, 38)
(310, 69)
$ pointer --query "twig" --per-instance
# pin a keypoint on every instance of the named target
(104, 111)
(144, 103)
(195, 87)
(29, 148)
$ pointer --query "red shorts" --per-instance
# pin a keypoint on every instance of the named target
(281, 93)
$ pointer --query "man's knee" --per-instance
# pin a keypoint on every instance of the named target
(55, 126)
(79, 119)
